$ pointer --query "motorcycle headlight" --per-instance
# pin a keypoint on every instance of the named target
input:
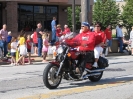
(60, 50)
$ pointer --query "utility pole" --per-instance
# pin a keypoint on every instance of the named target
(73, 16)
(85, 7)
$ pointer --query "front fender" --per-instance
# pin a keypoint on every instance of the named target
(55, 63)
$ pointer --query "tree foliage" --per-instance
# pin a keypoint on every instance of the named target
(106, 12)
(77, 16)
(127, 15)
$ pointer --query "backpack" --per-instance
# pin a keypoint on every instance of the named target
(102, 62)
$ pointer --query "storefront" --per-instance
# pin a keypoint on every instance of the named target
(25, 14)
(30, 15)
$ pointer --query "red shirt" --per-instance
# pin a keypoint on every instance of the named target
(35, 38)
(58, 32)
(28, 43)
(66, 31)
(100, 37)
(108, 34)
(85, 41)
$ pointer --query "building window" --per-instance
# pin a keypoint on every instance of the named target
(0, 15)
(30, 15)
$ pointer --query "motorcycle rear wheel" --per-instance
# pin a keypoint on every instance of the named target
(49, 76)
(95, 78)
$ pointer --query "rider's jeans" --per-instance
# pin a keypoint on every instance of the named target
(85, 58)
(98, 51)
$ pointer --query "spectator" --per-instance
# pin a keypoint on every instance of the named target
(9, 37)
(108, 33)
(13, 50)
(4, 34)
(35, 42)
(39, 38)
(81, 30)
(66, 30)
(45, 46)
(53, 26)
(92, 27)
(58, 32)
(120, 37)
(1, 47)
(29, 44)
(22, 48)
(131, 39)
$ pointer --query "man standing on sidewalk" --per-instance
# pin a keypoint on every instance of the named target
(120, 37)
(53, 27)
(39, 35)
(4, 34)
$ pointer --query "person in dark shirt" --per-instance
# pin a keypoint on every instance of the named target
(39, 36)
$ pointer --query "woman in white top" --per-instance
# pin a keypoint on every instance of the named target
(131, 39)
(13, 50)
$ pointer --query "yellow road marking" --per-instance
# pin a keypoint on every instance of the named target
(75, 90)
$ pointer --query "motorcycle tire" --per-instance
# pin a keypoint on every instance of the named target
(95, 78)
(52, 77)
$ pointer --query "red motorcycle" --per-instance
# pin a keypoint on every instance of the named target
(64, 66)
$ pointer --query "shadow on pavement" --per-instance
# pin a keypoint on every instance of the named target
(101, 82)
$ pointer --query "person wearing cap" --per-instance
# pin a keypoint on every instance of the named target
(99, 43)
(84, 42)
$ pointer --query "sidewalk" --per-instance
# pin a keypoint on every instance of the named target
(33, 58)
(49, 58)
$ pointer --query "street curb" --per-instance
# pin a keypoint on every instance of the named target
(118, 54)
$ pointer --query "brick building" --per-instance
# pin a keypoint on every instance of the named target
(25, 14)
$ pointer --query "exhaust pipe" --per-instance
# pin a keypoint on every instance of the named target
(93, 74)
(70, 77)
(97, 70)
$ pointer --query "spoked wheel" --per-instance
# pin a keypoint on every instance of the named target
(95, 78)
(49, 76)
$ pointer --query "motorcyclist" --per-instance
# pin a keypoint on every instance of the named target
(84, 42)
(100, 42)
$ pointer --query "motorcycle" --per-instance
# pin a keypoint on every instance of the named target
(64, 67)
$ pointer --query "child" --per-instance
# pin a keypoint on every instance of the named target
(58, 32)
(22, 48)
(29, 44)
(9, 38)
(45, 46)
(53, 50)
(35, 41)
(13, 50)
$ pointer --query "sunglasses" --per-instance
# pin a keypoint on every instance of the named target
(97, 26)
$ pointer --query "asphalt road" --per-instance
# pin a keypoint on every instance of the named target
(25, 82)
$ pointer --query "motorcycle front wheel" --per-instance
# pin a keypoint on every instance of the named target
(95, 78)
(49, 76)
